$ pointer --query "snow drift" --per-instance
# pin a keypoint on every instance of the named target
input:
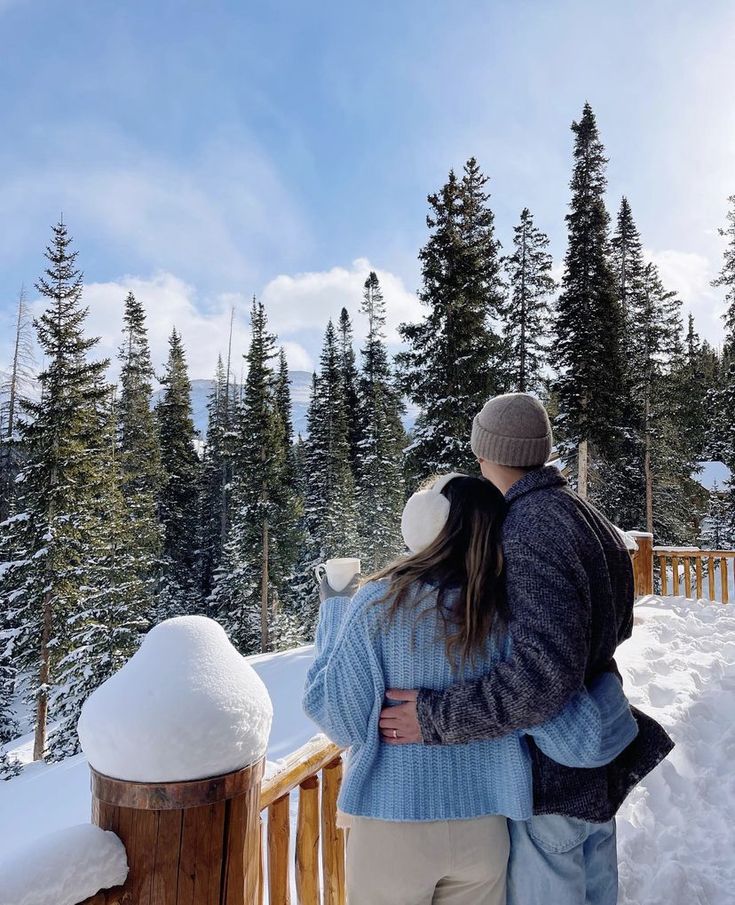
(186, 706)
(63, 868)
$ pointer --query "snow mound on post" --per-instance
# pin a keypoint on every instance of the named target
(186, 706)
(63, 868)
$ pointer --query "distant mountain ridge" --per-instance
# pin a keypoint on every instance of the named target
(201, 390)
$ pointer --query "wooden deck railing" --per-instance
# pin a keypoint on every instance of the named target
(682, 571)
(313, 769)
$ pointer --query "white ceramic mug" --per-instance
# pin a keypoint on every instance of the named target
(339, 572)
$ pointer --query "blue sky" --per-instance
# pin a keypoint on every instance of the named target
(203, 152)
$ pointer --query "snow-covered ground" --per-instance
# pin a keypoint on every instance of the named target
(677, 835)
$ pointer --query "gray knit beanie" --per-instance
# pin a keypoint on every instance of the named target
(512, 430)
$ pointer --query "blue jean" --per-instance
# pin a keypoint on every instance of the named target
(562, 861)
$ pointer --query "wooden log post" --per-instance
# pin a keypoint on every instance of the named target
(643, 563)
(188, 843)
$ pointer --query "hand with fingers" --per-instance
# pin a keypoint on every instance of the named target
(326, 590)
(399, 722)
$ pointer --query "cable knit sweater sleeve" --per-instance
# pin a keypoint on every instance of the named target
(549, 628)
(344, 685)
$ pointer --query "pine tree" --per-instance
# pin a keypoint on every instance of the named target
(589, 319)
(258, 553)
(722, 399)
(627, 259)
(329, 523)
(178, 497)
(658, 361)
(454, 357)
(139, 452)
(216, 474)
(15, 390)
(527, 314)
(699, 379)
(113, 608)
(619, 482)
(726, 279)
(350, 379)
(717, 528)
(43, 585)
(380, 487)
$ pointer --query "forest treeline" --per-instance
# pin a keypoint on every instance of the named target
(114, 514)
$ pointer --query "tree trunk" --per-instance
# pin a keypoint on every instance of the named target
(583, 468)
(264, 590)
(647, 468)
(39, 741)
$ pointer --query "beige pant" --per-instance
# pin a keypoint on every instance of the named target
(454, 862)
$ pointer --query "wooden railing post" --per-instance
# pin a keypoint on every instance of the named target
(193, 842)
(333, 838)
(307, 843)
(643, 563)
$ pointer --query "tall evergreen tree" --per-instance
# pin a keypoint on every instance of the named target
(15, 390)
(139, 451)
(658, 360)
(177, 504)
(726, 279)
(722, 400)
(453, 362)
(43, 586)
(258, 556)
(527, 314)
(113, 610)
(350, 380)
(380, 487)
(329, 524)
(216, 474)
(619, 482)
(589, 319)
(627, 259)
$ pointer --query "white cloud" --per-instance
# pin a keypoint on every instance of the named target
(298, 309)
(170, 302)
(690, 275)
(307, 301)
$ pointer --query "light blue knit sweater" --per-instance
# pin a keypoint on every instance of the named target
(359, 654)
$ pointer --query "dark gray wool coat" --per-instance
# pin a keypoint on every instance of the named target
(570, 601)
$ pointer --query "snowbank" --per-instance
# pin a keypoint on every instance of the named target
(63, 868)
(676, 838)
(187, 705)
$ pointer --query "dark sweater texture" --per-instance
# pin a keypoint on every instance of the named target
(570, 600)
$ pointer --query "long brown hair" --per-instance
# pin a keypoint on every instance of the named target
(466, 558)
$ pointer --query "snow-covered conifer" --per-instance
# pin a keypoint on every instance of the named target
(178, 497)
(527, 314)
(589, 319)
(380, 486)
(453, 362)
(44, 583)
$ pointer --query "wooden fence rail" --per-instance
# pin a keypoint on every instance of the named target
(313, 769)
(682, 571)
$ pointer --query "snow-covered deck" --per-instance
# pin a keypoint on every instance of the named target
(676, 838)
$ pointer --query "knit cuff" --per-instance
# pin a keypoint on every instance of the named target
(425, 704)
(331, 617)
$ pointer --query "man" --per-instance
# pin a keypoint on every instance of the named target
(570, 600)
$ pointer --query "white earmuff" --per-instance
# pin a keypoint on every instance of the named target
(425, 514)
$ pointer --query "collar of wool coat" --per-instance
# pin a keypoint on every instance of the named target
(539, 479)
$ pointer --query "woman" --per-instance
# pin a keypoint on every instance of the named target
(428, 822)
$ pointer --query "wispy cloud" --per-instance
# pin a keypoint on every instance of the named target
(214, 217)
